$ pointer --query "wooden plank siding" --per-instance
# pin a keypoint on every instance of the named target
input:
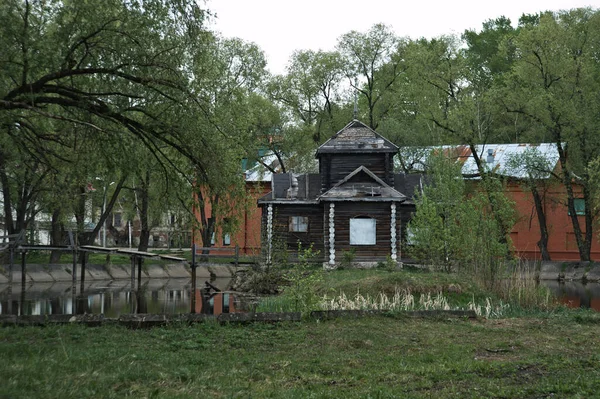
(288, 241)
(334, 169)
(381, 212)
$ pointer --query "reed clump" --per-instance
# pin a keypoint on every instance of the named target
(404, 300)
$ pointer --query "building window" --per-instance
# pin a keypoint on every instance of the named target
(117, 219)
(299, 224)
(579, 206)
(226, 234)
(362, 231)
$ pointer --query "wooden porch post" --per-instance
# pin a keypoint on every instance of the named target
(393, 232)
(332, 235)
(269, 232)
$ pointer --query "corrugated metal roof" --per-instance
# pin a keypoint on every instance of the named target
(259, 173)
(500, 156)
(497, 158)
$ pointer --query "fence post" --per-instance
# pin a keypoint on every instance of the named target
(237, 255)
(11, 264)
(193, 304)
(23, 254)
(133, 272)
(83, 260)
(74, 268)
(140, 261)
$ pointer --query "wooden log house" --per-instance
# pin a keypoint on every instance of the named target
(355, 205)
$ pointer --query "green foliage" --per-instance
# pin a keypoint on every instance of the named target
(456, 230)
(390, 265)
(303, 279)
(437, 228)
(348, 258)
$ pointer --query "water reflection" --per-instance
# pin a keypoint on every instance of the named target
(113, 298)
(575, 294)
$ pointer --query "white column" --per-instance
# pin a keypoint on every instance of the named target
(393, 231)
(331, 234)
(269, 232)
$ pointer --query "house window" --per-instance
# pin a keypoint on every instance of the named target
(579, 206)
(226, 239)
(362, 231)
(299, 224)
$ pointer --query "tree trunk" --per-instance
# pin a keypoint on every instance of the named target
(541, 215)
(56, 235)
(6, 195)
(582, 245)
(144, 206)
(88, 238)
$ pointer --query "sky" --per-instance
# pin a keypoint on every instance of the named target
(279, 27)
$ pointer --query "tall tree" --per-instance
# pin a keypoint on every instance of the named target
(373, 61)
(310, 90)
(555, 82)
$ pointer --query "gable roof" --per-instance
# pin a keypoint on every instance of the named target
(375, 190)
(356, 137)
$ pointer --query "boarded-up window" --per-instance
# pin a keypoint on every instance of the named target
(362, 231)
(299, 224)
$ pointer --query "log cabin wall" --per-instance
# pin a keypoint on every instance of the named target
(286, 240)
(344, 211)
(335, 167)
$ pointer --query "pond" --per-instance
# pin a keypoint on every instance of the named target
(173, 296)
(575, 294)
(113, 298)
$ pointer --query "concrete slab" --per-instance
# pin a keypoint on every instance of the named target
(38, 273)
(574, 272)
(119, 271)
(61, 272)
(178, 270)
(550, 270)
(202, 272)
(97, 272)
(222, 270)
(594, 274)
(3, 279)
(17, 276)
(155, 271)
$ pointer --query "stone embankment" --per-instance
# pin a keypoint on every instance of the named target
(38, 273)
(570, 271)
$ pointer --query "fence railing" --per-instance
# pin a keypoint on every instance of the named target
(203, 254)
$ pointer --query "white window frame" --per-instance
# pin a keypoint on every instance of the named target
(363, 231)
(298, 224)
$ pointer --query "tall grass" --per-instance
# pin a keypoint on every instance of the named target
(518, 284)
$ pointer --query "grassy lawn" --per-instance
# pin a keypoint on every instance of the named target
(551, 352)
(552, 356)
